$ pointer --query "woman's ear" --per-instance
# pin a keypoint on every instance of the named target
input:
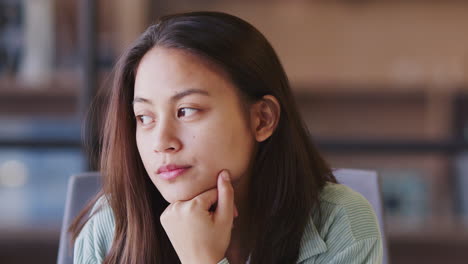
(265, 115)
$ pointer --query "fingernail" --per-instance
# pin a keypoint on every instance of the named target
(225, 176)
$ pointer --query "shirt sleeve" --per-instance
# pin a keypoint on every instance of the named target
(364, 251)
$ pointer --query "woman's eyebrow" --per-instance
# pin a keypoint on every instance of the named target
(141, 100)
(182, 94)
(175, 97)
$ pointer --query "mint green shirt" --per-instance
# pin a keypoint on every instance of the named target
(350, 232)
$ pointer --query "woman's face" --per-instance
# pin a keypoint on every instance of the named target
(190, 124)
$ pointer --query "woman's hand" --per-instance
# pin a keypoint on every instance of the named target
(198, 234)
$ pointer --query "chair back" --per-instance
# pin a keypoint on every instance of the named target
(81, 189)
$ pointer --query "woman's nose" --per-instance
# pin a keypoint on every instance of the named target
(165, 138)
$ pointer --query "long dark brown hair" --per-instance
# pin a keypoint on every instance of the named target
(287, 171)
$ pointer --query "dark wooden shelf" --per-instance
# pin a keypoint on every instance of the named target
(333, 88)
(438, 229)
(34, 144)
(51, 98)
(392, 146)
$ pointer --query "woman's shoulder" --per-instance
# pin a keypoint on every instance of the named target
(340, 205)
(347, 233)
(102, 208)
(102, 215)
(95, 239)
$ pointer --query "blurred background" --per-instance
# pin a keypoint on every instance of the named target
(382, 84)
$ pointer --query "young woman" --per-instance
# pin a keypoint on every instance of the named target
(205, 159)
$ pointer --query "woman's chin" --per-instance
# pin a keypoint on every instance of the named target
(184, 191)
(179, 196)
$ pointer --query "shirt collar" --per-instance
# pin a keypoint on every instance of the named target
(311, 243)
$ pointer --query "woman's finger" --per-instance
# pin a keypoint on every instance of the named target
(225, 208)
(206, 199)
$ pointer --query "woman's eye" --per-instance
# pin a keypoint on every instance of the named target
(145, 120)
(186, 111)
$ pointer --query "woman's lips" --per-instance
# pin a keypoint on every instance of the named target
(172, 174)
